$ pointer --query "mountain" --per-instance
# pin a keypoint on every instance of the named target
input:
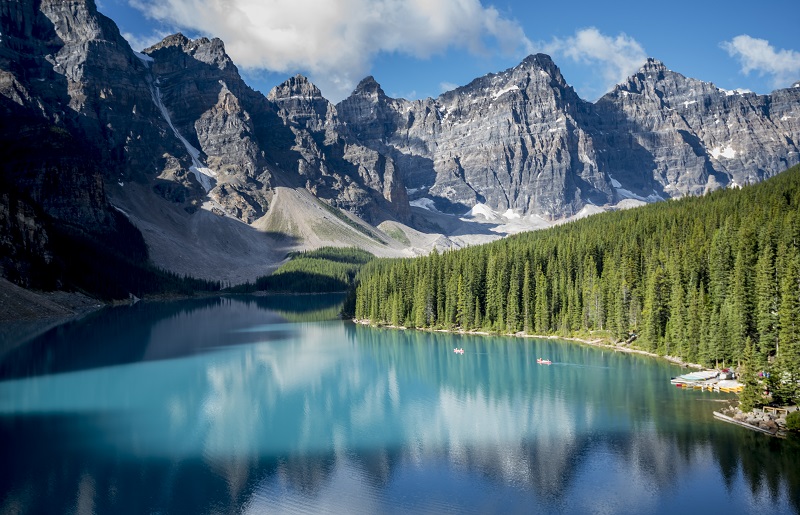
(511, 140)
(690, 136)
(523, 140)
(167, 157)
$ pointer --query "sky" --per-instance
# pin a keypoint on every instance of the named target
(422, 48)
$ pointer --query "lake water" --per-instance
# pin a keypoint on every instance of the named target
(266, 405)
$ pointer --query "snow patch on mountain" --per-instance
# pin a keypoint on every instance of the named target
(504, 91)
(727, 152)
(424, 203)
(482, 210)
(204, 175)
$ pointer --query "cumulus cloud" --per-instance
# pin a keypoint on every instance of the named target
(335, 41)
(758, 55)
(615, 58)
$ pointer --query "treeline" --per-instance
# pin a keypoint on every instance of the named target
(324, 270)
(701, 278)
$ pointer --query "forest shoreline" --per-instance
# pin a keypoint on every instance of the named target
(748, 420)
(597, 342)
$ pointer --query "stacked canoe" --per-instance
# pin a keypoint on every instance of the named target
(711, 380)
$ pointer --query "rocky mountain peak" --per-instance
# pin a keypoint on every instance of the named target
(537, 73)
(539, 62)
(208, 51)
(177, 39)
(650, 77)
(369, 87)
(296, 87)
(653, 65)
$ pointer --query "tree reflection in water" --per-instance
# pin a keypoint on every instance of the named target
(241, 405)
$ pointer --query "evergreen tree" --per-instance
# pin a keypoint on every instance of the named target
(542, 311)
(789, 334)
(751, 395)
(527, 299)
(767, 297)
(654, 311)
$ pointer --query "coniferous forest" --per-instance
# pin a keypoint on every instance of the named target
(323, 270)
(712, 280)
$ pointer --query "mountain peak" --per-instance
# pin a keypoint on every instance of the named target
(209, 51)
(542, 63)
(294, 87)
(539, 60)
(369, 85)
(177, 39)
(653, 65)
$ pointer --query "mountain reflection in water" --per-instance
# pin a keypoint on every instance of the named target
(240, 405)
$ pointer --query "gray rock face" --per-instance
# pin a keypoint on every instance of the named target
(252, 144)
(335, 165)
(218, 115)
(523, 140)
(512, 140)
(665, 133)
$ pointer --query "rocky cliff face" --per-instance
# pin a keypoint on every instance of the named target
(335, 165)
(523, 140)
(680, 136)
(222, 123)
(244, 144)
(512, 140)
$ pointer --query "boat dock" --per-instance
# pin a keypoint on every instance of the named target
(710, 380)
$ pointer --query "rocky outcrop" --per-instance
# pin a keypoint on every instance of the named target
(249, 144)
(335, 165)
(511, 140)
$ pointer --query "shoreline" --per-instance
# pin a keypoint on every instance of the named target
(752, 420)
(597, 342)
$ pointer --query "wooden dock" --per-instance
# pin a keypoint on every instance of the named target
(726, 418)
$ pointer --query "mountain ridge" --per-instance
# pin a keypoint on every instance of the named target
(175, 139)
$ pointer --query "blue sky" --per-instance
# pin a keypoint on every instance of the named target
(420, 48)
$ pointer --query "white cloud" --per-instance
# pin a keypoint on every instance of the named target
(758, 55)
(335, 41)
(447, 86)
(409, 95)
(615, 58)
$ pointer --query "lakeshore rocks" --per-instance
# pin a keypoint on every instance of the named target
(773, 421)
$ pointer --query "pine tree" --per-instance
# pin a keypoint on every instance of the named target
(788, 355)
(477, 322)
(654, 310)
(527, 300)
(767, 296)
(751, 395)
(512, 304)
(542, 312)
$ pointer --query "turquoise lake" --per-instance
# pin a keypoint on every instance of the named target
(272, 405)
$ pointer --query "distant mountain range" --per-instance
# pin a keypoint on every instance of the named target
(221, 181)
